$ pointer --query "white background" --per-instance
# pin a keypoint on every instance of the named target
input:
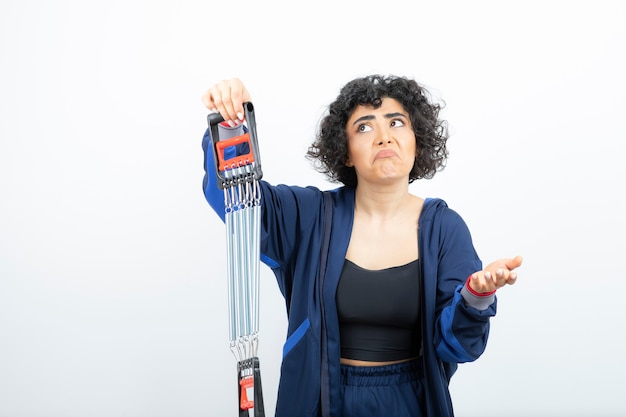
(112, 265)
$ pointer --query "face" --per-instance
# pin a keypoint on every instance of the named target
(381, 142)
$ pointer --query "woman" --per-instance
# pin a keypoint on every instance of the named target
(379, 327)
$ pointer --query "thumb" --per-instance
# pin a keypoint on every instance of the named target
(514, 262)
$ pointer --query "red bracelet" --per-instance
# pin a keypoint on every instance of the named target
(477, 294)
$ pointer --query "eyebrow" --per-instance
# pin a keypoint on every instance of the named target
(371, 117)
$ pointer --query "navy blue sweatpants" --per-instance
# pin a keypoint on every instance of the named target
(389, 390)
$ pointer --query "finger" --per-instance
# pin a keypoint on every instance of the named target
(227, 97)
(240, 95)
(489, 277)
(480, 283)
(233, 94)
(485, 283)
(219, 97)
(209, 99)
(228, 107)
(513, 263)
(506, 277)
(206, 100)
(491, 282)
(500, 277)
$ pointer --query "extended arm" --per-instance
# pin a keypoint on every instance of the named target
(466, 293)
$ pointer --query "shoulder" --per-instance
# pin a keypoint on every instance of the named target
(438, 211)
(342, 196)
(289, 191)
(304, 200)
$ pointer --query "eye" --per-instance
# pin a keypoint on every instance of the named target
(397, 123)
(364, 128)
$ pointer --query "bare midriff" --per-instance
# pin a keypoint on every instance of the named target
(355, 362)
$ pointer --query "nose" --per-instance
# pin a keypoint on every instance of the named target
(385, 137)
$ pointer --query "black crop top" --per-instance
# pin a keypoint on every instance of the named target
(379, 312)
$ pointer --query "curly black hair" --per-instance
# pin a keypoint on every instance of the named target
(329, 151)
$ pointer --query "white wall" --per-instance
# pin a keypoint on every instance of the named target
(112, 278)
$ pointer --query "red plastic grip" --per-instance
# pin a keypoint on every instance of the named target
(246, 383)
(237, 161)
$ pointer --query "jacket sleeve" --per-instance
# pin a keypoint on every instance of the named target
(212, 192)
(287, 214)
(288, 218)
(462, 327)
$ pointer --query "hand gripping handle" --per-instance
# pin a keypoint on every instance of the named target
(235, 152)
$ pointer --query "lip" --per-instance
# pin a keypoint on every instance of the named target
(386, 153)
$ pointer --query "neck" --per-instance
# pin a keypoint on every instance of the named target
(382, 201)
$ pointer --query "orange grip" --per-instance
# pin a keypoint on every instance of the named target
(237, 161)
(246, 383)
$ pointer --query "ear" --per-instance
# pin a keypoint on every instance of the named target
(349, 163)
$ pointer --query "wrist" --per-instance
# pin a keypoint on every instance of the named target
(476, 293)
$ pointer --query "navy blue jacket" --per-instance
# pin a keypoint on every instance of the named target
(455, 322)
